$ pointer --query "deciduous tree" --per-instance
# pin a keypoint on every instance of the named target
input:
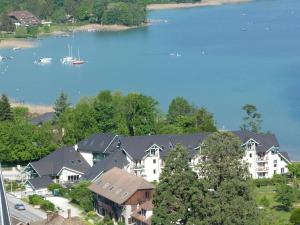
(252, 121)
(229, 200)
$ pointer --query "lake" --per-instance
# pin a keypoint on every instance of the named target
(217, 57)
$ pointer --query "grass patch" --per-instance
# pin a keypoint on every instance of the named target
(280, 215)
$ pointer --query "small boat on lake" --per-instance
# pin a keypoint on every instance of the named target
(68, 60)
(43, 61)
(78, 61)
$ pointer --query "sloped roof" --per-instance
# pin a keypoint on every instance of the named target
(118, 185)
(25, 17)
(40, 182)
(46, 117)
(115, 159)
(4, 212)
(96, 143)
(285, 155)
(265, 141)
(63, 157)
(59, 220)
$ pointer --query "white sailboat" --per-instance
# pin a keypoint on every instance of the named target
(67, 60)
(78, 61)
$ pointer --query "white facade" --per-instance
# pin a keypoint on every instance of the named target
(261, 165)
(265, 164)
(29, 190)
(150, 166)
(67, 175)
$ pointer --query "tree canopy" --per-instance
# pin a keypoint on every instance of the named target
(222, 169)
(252, 121)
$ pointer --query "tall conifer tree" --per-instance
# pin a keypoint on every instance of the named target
(5, 109)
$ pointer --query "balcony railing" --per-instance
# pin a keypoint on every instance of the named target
(138, 167)
(262, 169)
(262, 159)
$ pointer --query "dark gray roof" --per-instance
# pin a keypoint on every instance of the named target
(265, 141)
(4, 213)
(40, 182)
(96, 143)
(63, 157)
(115, 159)
(46, 117)
(285, 155)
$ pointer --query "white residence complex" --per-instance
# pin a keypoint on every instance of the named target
(145, 156)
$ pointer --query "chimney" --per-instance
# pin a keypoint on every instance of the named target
(69, 214)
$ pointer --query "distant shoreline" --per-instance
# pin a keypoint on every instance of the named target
(191, 5)
(25, 43)
(33, 109)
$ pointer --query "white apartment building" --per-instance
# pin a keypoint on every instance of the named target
(144, 155)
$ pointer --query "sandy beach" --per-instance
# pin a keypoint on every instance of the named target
(17, 43)
(34, 109)
(99, 27)
(190, 5)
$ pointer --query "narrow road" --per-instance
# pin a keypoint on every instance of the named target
(28, 215)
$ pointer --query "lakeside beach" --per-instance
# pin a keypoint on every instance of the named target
(33, 109)
(196, 4)
(17, 43)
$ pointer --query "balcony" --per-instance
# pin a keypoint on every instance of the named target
(262, 169)
(138, 167)
(262, 159)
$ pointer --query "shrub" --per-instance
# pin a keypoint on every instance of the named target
(21, 32)
(263, 182)
(265, 202)
(35, 199)
(295, 217)
(47, 205)
(54, 186)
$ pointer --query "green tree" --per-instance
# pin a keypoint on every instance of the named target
(174, 192)
(61, 104)
(81, 195)
(295, 217)
(286, 195)
(229, 200)
(294, 169)
(252, 121)
(5, 109)
(179, 107)
(105, 112)
(140, 114)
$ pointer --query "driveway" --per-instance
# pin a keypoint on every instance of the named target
(64, 204)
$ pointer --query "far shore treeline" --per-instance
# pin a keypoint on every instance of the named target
(108, 112)
(123, 12)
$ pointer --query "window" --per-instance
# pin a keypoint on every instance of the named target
(274, 171)
(250, 155)
(73, 178)
(275, 163)
(154, 161)
(154, 171)
(147, 194)
(152, 152)
(282, 170)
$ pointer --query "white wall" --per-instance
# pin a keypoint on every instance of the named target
(88, 157)
(63, 176)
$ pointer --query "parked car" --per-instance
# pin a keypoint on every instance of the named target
(20, 206)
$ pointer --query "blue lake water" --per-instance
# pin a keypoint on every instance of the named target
(230, 55)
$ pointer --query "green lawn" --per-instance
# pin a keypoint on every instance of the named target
(269, 192)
